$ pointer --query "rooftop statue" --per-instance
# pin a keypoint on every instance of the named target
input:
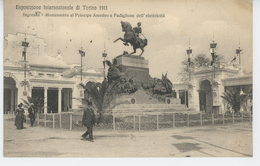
(132, 36)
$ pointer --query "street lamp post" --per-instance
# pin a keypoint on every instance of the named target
(24, 83)
(104, 58)
(189, 53)
(82, 54)
(238, 51)
(213, 47)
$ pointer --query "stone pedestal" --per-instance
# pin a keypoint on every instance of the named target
(133, 67)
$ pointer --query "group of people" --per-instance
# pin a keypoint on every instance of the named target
(88, 118)
(20, 117)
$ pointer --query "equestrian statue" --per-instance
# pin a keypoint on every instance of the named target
(132, 36)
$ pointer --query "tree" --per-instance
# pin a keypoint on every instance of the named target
(37, 103)
(235, 100)
(96, 92)
(199, 61)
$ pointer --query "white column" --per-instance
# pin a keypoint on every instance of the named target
(185, 100)
(220, 92)
(15, 100)
(45, 99)
(12, 100)
(177, 94)
(71, 98)
(20, 95)
(194, 99)
(190, 98)
(30, 91)
(59, 100)
(75, 94)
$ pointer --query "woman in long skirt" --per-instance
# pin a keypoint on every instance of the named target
(19, 117)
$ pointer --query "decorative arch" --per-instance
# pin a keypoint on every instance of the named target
(8, 74)
(205, 92)
(90, 79)
(203, 78)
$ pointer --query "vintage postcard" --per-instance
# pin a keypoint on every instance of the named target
(128, 78)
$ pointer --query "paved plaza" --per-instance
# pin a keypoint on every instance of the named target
(229, 140)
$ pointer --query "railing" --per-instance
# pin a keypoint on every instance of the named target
(53, 118)
(146, 111)
(187, 117)
(147, 119)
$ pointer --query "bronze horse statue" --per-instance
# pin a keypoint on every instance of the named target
(130, 37)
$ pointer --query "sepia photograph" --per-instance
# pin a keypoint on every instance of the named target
(121, 79)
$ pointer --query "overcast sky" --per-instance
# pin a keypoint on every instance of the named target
(168, 37)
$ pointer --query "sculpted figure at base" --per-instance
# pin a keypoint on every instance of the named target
(132, 36)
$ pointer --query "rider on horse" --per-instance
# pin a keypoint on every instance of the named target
(132, 36)
(138, 30)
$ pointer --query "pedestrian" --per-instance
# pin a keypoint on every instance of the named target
(19, 119)
(89, 121)
(31, 112)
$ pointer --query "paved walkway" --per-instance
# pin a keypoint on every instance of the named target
(230, 140)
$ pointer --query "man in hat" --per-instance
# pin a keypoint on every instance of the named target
(31, 112)
(89, 121)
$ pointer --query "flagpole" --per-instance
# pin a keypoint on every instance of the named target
(104, 55)
(239, 52)
(25, 45)
(104, 68)
(81, 67)
(25, 61)
(213, 54)
(214, 68)
(189, 52)
(25, 64)
(189, 64)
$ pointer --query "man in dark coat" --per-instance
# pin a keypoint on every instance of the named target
(31, 114)
(89, 121)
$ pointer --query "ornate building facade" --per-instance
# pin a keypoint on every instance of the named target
(204, 91)
(43, 75)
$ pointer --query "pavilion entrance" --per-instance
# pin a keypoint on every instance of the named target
(205, 96)
(10, 95)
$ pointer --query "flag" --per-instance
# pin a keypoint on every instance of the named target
(24, 54)
(82, 53)
(104, 58)
(25, 44)
(104, 55)
(238, 51)
(189, 51)
(234, 59)
(213, 58)
(213, 45)
(212, 50)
